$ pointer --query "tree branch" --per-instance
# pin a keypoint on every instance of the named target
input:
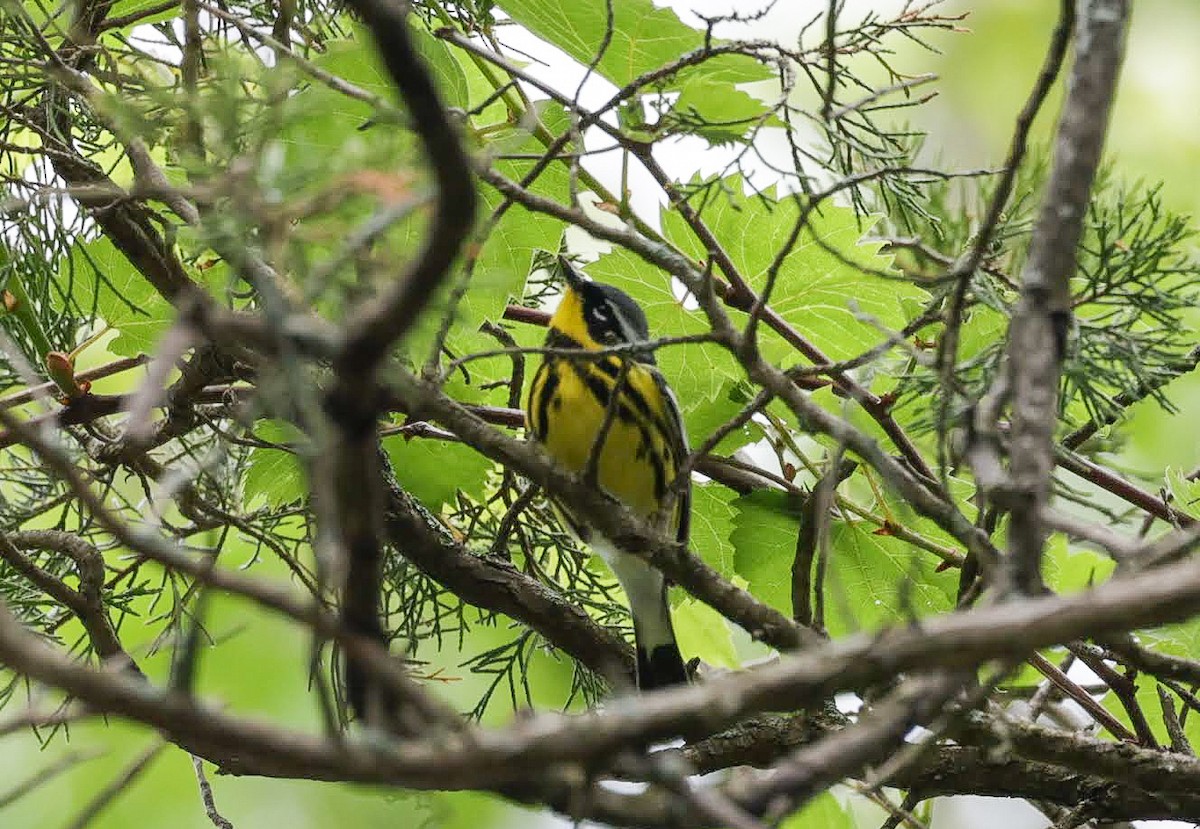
(1038, 334)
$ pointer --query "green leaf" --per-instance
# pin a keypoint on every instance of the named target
(712, 525)
(434, 470)
(348, 60)
(822, 812)
(645, 38)
(521, 232)
(872, 580)
(22, 150)
(764, 543)
(443, 65)
(1068, 569)
(877, 580)
(705, 417)
(101, 280)
(324, 130)
(703, 632)
(1182, 640)
(460, 82)
(275, 475)
(324, 140)
(982, 330)
(860, 489)
(1186, 491)
(719, 116)
(505, 258)
(817, 293)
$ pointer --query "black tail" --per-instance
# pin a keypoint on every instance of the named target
(661, 667)
(659, 662)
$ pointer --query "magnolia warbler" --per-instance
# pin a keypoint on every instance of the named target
(614, 419)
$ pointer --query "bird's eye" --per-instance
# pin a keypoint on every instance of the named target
(609, 337)
(600, 314)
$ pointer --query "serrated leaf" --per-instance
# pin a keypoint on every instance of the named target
(1068, 569)
(443, 65)
(1182, 640)
(643, 38)
(327, 148)
(876, 580)
(983, 328)
(817, 293)
(101, 279)
(324, 129)
(764, 544)
(961, 492)
(720, 116)
(705, 417)
(504, 260)
(349, 61)
(712, 525)
(1185, 491)
(275, 475)
(521, 233)
(820, 295)
(871, 581)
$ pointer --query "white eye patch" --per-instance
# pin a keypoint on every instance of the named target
(600, 313)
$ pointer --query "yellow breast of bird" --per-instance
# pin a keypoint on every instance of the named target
(566, 412)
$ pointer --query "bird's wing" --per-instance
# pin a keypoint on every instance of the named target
(678, 441)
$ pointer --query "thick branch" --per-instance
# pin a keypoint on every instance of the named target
(354, 514)
(1037, 337)
(846, 753)
(487, 759)
(377, 324)
(494, 584)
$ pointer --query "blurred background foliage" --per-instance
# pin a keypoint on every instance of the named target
(1154, 138)
(984, 77)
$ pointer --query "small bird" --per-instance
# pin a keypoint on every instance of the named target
(614, 419)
